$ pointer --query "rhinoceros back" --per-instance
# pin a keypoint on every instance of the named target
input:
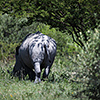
(37, 48)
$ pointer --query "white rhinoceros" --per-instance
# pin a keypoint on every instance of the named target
(37, 51)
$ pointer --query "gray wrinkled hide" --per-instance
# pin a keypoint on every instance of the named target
(37, 51)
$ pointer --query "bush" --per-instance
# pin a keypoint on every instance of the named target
(88, 61)
(13, 30)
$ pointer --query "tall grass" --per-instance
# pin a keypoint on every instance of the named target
(59, 85)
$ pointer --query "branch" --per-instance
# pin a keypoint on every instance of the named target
(81, 44)
(75, 40)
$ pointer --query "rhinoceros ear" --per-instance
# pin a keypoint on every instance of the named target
(17, 48)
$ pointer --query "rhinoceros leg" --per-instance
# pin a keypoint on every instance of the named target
(46, 72)
(37, 72)
(30, 72)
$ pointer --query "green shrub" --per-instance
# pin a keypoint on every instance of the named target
(88, 61)
(13, 30)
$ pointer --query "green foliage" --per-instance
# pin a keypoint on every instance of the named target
(75, 73)
(89, 61)
(75, 16)
(14, 30)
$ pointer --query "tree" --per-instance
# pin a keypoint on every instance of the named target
(73, 16)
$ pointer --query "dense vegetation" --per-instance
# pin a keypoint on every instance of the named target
(75, 16)
(75, 73)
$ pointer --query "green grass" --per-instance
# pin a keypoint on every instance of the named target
(59, 86)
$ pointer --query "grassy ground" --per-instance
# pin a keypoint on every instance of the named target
(61, 85)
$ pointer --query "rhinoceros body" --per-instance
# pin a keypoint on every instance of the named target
(37, 51)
